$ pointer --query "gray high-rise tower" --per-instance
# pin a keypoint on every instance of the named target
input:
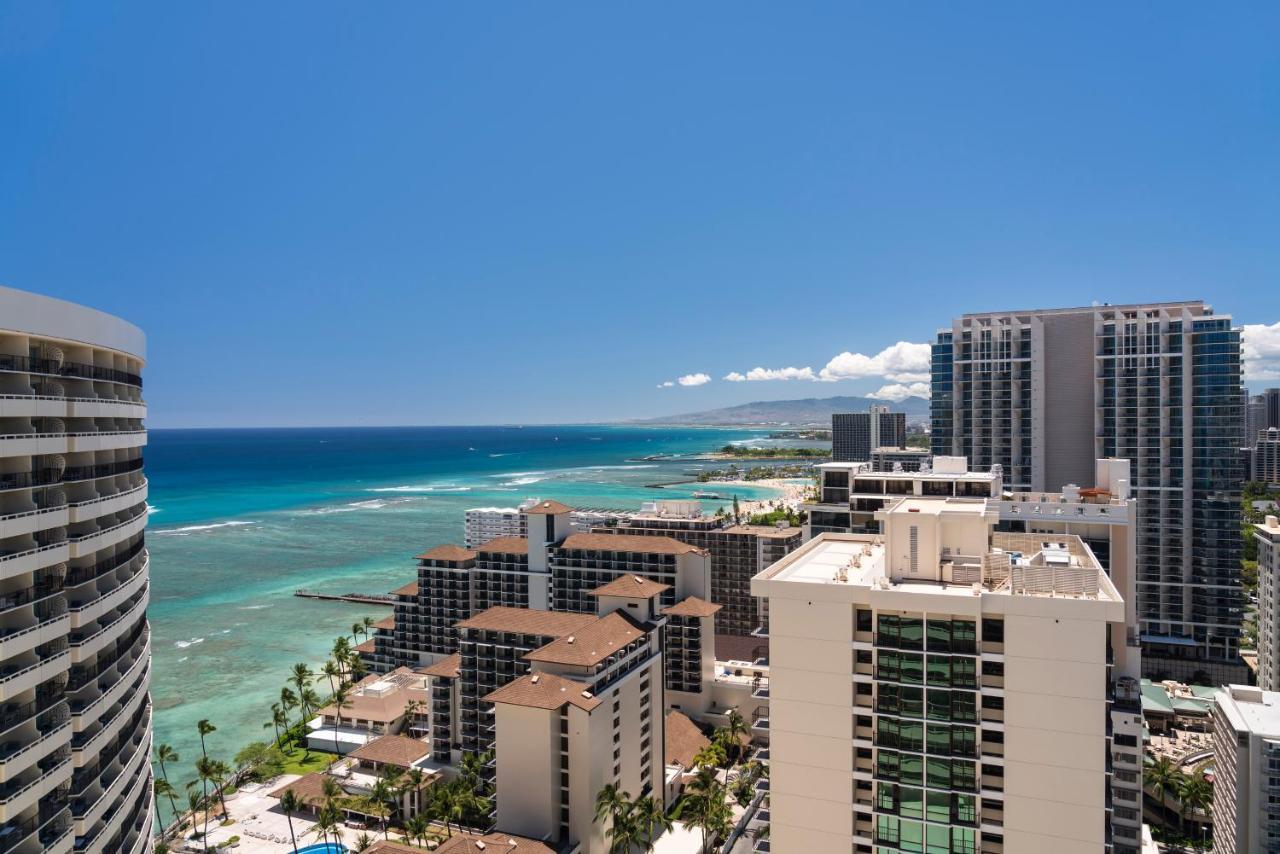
(1044, 393)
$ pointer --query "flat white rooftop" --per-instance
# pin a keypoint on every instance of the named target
(825, 557)
(1252, 709)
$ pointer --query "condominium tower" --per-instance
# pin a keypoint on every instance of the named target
(1267, 536)
(75, 663)
(855, 435)
(1045, 393)
(1246, 751)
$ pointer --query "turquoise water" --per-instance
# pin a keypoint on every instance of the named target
(324, 848)
(242, 518)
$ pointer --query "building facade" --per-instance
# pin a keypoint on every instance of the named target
(1045, 393)
(1265, 458)
(1267, 536)
(1246, 741)
(75, 655)
(980, 684)
(854, 435)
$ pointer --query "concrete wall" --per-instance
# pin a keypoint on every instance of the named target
(32, 314)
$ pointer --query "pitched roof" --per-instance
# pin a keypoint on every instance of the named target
(629, 543)
(410, 589)
(494, 843)
(592, 643)
(543, 691)
(397, 750)
(528, 622)
(308, 788)
(544, 508)
(448, 667)
(385, 623)
(448, 552)
(683, 740)
(630, 587)
(506, 546)
(367, 646)
(390, 846)
(692, 607)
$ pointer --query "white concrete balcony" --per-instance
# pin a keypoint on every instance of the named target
(83, 407)
(90, 543)
(112, 440)
(15, 802)
(129, 778)
(99, 837)
(30, 521)
(33, 444)
(86, 612)
(26, 678)
(86, 648)
(14, 764)
(118, 722)
(94, 508)
(33, 406)
(143, 843)
(126, 683)
(29, 560)
(25, 640)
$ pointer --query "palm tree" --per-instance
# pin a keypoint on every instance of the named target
(735, 729)
(301, 677)
(310, 699)
(651, 819)
(363, 841)
(366, 623)
(356, 628)
(288, 700)
(417, 828)
(162, 789)
(290, 804)
(206, 771)
(331, 671)
(359, 669)
(339, 702)
(706, 805)
(165, 753)
(1196, 793)
(326, 820)
(383, 795)
(221, 773)
(278, 720)
(205, 728)
(341, 652)
(611, 801)
(624, 833)
(1162, 777)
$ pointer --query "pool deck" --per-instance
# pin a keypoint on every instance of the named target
(261, 826)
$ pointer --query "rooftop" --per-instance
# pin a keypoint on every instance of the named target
(629, 543)
(692, 606)
(544, 691)
(506, 546)
(770, 531)
(448, 667)
(546, 508)
(1251, 709)
(630, 587)
(397, 750)
(683, 740)
(527, 621)
(309, 789)
(382, 697)
(448, 552)
(410, 589)
(592, 643)
(491, 843)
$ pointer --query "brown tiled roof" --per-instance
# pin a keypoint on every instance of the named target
(764, 531)
(397, 750)
(543, 691)
(494, 843)
(733, 647)
(309, 789)
(367, 646)
(506, 546)
(385, 623)
(630, 587)
(629, 543)
(683, 740)
(543, 508)
(591, 644)
(528, 622)
(390, 846)
(448, 552)
(410, 589)
(447, 667)
(692, 607)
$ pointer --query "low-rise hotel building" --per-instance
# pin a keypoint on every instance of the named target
(75, 649)
(1246, 736)
(978, 688)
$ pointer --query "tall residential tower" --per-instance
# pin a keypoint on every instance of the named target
(75, 656)
(1045, 393)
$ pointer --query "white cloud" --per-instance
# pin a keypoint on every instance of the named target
(766, 374)
(694, 379)
(1260, 348)
(667, 384)
(903, 362)
(898, 392)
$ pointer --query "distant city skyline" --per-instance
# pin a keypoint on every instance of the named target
(435, 215)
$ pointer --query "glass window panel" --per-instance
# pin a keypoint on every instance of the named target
(937, 840)
(964, 707)
(939, 705)
(964, 741)
(963, 776)
(966, 811)
(887, 829)
(910, 769)
(911, 735)
(963, 840)
(938, 807)
(964, 672)
(911, 633)
(939, 740)
(940, 671)
(887, 764)
(886, 797)
(938, 774)
(887, 630)
(912, 669)
(964, 636)
(912, 702)
(939, 636)
(911, 836)
(888, 665)
(911, 802)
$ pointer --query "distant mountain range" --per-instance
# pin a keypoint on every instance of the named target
(809, 412)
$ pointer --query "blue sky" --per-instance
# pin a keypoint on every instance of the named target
(420, 213)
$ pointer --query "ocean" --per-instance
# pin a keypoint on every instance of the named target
(243, 518)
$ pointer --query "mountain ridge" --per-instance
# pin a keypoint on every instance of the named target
(809, 411)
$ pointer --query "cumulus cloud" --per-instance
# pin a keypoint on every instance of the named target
(667, 384)
(694, 379)
(903, 362)
(756, 375)
(898, 392)
(1260, 349)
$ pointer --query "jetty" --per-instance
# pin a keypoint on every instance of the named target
(357, 598)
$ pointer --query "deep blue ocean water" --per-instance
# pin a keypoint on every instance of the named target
(242, 518)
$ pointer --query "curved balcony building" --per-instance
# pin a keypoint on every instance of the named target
(75, 662)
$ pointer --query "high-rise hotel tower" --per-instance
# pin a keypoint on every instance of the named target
(75, 659)
(1045, 393)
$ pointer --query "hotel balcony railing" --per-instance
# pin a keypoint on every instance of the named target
(79, 370)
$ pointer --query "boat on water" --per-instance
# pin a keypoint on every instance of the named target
(707, 495)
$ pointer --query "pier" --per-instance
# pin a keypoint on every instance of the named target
(357, 598)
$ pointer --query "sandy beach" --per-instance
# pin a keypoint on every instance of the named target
(790, 493)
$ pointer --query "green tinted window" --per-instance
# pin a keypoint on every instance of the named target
(938, 840)
(912, 669)
(910, 769)
(939, 636)
(940, 670)
(911, 735)
(887, 630)
(965, 809)
(963, 840)
(938, 807)
(938, 773)
(912, 703)
(910, 836)
(910, 633)
(911, 802)
(964, 672)
(964, 636)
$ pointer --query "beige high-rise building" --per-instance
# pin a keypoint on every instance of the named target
(1246, 741)
(1267, 536)
(75, 655)
(943, 687)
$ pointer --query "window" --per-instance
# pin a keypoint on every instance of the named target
(992, 630)
(864, 620)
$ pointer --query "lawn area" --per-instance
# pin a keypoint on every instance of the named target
(296, 764)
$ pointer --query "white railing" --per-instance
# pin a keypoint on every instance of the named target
(102, 498)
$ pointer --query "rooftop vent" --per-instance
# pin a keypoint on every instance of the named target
(570, 639)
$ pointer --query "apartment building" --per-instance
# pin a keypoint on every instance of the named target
(737, 553)
(854, 435)
(1246, 741)
(979, 670)
(587, 714)
(850, 494)
(482, 524)
(1267, 536)
(1265, 458)
(75, 655)
(1044, 393)
(900, 459)
(582, 562)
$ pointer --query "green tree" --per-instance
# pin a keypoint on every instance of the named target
(290, 804)
(383, 795)
(204, 727)
(1196, 794)
(163, 789)
(278, 720)
(652, 820)
(301, 677)
(330, 671)
(706, 805)
(165, 753)
(262, 760)
(417, 827)
(288, 700)
(339, 703)
(1161, 777)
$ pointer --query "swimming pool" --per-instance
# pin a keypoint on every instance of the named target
(324, 848)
